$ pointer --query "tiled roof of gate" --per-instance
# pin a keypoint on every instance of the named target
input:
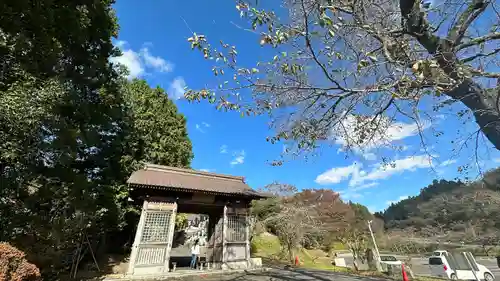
(165, 177)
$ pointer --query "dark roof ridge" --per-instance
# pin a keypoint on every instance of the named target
(162, 168)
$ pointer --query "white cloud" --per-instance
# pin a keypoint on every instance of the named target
(157, 63)
(132, 62)
(404, 147)
(496, 160)
(427, 148)
(359, 178)
(176, 88)
(138, 62)
(223, 149)
(448, 162)
(400, 198)
(207, 170)
(120, 44)
(239, 158)
(353, 192)
(372, 209)
(369, 156)
(336, 175)
(352, 132)
(348, 194)
(366, 185)
(380, 172)
(284, 149)
(200, 127)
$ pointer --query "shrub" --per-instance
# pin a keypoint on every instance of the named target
(14, 266)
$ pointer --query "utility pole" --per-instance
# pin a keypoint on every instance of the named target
(377, 254)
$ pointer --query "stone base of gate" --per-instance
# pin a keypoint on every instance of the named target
(180, 274)
(253, 263)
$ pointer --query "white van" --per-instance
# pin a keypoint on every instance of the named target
(458, 267)
(439, 253)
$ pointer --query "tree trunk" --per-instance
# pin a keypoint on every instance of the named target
(484, 105)
(290, 254)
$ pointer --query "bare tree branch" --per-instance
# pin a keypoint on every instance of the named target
(353, 68)
(479, 40)
(480, 55)
(474, 9)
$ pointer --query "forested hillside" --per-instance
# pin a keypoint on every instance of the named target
(450, 211)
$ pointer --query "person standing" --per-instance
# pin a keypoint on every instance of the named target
(195, 252)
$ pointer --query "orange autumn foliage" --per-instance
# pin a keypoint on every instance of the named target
(14, 266)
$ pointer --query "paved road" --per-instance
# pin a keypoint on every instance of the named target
(283, 275)
(430, 241)
(420, 266)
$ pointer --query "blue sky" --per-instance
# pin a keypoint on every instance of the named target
(153, 38)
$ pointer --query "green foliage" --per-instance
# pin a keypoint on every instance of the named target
(264, 208)
(181, 221)
(158, 132)
(72, 130)
(57, 168)
(361, 211)
(337, 246)
(65, 154)
(464, 212)
(266, 245)
(69, 39)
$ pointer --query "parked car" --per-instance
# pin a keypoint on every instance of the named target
(390, 260)
(444, 265)
(439, 253)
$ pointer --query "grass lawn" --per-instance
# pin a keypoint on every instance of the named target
(267, 247)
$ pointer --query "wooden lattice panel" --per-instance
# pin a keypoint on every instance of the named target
(156, 227)
(151, 256)
(153, 239)
(236, 228)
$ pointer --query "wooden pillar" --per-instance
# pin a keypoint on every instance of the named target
(224, 233)
(247, 237)
(171, 230)
(212, 240)
(137, 239)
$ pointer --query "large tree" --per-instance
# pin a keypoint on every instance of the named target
(312, 218)
(289, 217)
(60, 148)
(351, 70)
(70, 39)
(61, 127)
(158, 132)
(155, 133)
(65, 158)
(72, 129)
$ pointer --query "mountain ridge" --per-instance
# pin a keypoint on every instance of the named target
(450, 210)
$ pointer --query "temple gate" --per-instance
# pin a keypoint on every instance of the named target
(165, 191)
